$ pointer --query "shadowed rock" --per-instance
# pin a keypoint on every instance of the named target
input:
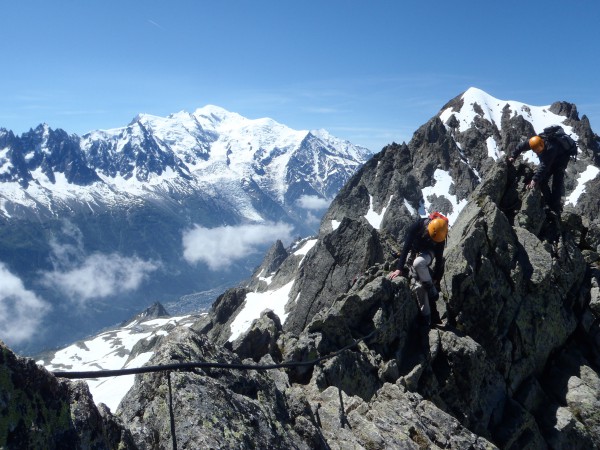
(37, 410)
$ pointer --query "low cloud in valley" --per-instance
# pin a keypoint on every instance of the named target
(21, 310)
(218, 247)
(99, 276)
(82, 277)
(313, 202)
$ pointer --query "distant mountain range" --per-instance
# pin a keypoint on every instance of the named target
(248, 170)
(99, 226)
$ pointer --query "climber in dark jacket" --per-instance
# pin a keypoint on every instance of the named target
(553, 163)
(426, 238)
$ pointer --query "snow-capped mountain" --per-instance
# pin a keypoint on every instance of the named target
(475, 109)
(211, 153)
(448, 156)
(158, 209)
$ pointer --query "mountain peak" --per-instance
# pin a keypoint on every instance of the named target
(475, 104)
(154, 311)
(143, 118)
(476, 95)
(216, 113)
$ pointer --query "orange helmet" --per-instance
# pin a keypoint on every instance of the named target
(438, 229)
(536, 144)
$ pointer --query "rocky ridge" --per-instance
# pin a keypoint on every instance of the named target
(516, 365)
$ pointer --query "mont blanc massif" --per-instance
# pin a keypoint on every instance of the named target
(99, 227)
(318, 348)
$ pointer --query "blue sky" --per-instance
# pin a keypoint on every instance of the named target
(371, 72)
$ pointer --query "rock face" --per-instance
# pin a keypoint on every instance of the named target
(515, 365)
(236, 409)
(231, 409)
(519, 285)
(38, 410)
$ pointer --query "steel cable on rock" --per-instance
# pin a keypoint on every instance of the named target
(204, 365)
(189, 366)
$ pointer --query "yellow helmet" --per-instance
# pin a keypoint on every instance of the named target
(536, 144)
(438, 229)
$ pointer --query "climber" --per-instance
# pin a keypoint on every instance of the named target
(554, 158)
(426, 239)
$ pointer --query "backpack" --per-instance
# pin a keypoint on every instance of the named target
(565, 142)
(437, 215)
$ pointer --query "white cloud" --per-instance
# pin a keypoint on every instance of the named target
(100, 275)
(218, 247)
(312, 202)
(311, 219)
(21, 311)
(70, 250)
(82, 277)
